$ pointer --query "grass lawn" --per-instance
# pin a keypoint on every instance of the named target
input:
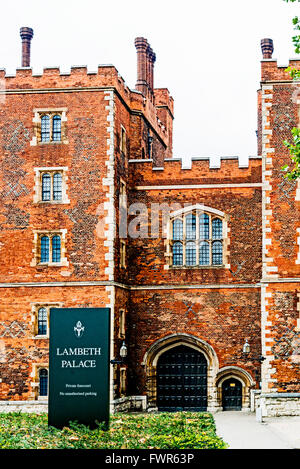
(178, 430)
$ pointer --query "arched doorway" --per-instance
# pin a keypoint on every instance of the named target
(232, 394)
(182, 380)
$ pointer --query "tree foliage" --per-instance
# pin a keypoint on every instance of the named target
(294, 147)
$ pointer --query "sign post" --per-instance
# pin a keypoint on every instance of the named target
(79, 366)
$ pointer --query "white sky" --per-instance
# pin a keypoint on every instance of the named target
(207, 54)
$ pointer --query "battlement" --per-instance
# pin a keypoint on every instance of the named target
(80, 79)
(271, 72)
(227, 170)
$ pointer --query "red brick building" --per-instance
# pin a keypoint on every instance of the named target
(196, 264)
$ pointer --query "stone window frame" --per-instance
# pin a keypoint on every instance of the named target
(38, 175)
(122, 254)
(198, 210)
(37, 235)
(123, 194)
(35, 383)
(51, 112)
(123, 381)
(122, 323)
(35, 307)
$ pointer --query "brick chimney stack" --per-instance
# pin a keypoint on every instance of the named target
(267, 48)
(151, 59)
(145, 66)
(26, 35)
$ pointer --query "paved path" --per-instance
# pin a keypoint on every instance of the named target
(241, 430)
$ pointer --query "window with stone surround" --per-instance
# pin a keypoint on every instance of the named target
(49, 248)
(39, 382)
(49, 126)
(122, 324)
(43, 382)
(197, 238)
(40, 318)
(51, 185)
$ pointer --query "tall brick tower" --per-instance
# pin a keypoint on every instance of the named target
(280, 112)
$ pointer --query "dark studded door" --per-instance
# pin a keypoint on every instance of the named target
(232, 394)
(182, 380)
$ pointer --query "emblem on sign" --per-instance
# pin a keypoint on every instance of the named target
(78, 329)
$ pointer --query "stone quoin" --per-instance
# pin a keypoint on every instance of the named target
(193, 263)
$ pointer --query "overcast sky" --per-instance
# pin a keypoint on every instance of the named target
(207, 54)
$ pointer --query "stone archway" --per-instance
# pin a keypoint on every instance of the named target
(161, 346)
(235, 373)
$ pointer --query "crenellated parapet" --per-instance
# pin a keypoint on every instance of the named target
(203, 170)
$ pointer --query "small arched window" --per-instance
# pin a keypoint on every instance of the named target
(56, 128)
(177, 229)
(197, 239)
(45, 128)
(57, 186)
(46, 187)
(51, 127)
(43, 382)
(45, 249)
(52, 186)
(56, 248)
(42, 321)
(50, 248)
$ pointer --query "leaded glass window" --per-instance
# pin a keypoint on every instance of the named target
(190, 226)
(51, 186)
(50, 248)
(197, 240)
(45, 129)
(51, 127)
(204, 253)
(177, 229)
(45, 249)
(43, 382)
(56, 249)
(217, 253)
(57, 186)
(217, 229)
(204, 226)
(190, 253)
(46, 187)
(177, 254)
(42, 321)
(56, 128)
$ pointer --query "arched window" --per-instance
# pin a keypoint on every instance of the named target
(50, 248)
(46, 187)
(52, 186)
(197, 238)
(45, 249)
(45, 128)
(42, 321)
(56, 248)
(57, 186)
(190, 253)
(204, 253)
(43, 382)
(51, 127)
(177, 229)
(56, 128)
